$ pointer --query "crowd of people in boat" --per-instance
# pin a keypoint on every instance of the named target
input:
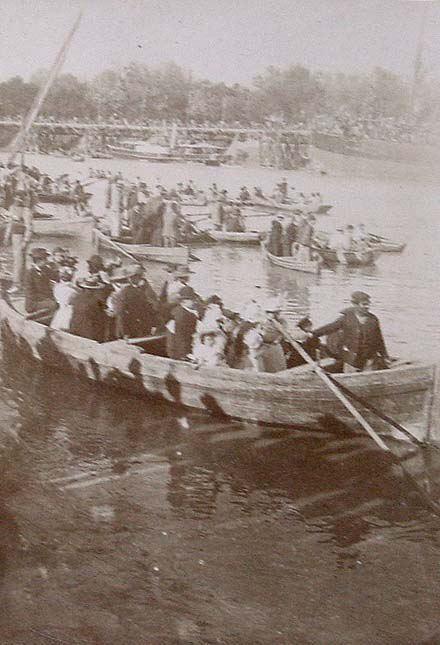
(23, 184)
(296, 236)
(115, 302)
(153, 215)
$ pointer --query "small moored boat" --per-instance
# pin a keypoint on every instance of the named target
(264, 209)
(245, 237)
(164, 254)
(292, 263)
(61, 198)
(352, 258)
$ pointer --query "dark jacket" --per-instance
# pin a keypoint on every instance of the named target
(89, 319)
(186, 323)
(360, 342)
(38, 288)
(136, 312)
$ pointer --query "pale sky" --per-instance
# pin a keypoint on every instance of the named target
(222, 40)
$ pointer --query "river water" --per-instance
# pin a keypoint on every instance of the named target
(122, 525)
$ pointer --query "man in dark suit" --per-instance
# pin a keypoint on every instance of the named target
(185, 318)
(362, 344)
(38, 284)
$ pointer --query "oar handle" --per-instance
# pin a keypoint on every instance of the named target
(334, 388)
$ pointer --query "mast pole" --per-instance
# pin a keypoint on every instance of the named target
(18, 143)
(418, 61)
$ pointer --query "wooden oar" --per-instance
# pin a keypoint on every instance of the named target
(381, 415)
(335, 387)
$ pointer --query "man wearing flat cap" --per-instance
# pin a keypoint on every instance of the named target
(363, 347)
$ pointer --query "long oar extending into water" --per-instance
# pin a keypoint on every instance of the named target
(335, 387)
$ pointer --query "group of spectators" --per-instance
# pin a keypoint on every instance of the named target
(354, 127)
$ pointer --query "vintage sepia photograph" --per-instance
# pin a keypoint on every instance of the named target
(219, 322)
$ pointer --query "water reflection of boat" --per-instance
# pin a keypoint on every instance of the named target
(332, 479)
(292, 397)
(169, 255)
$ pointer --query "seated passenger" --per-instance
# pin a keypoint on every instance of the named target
(272, 353)
(64, 292)
(206, 352)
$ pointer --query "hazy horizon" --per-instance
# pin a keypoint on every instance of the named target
(221, 41)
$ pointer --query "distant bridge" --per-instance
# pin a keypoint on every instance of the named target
(122, 127)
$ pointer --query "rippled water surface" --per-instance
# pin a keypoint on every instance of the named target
(121, 525)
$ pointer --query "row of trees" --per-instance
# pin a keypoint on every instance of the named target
(294, 94)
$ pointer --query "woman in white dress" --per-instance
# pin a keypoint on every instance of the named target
(64, 292)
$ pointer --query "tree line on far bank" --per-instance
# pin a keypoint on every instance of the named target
(293, 95)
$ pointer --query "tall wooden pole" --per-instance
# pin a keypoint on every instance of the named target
(18, 144)
(418, 61)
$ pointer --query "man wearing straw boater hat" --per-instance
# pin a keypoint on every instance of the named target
(362, 343)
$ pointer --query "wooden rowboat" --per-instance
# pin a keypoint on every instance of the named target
(246, 237)
(294, 397)
(62, 226)
(164, 254)
(264, 209)
(386, 246)
(292, 263)
(352, 258)
(60, 198)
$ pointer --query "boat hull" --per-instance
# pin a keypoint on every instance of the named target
(162, 254)
(229, 237)
(51, 198)
(266, 208)
(294, 397)
(288, 262)
(58, 227)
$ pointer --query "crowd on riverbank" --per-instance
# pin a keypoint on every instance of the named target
(345, 124)
(405, 129)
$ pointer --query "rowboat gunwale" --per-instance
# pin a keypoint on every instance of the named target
(294, 397)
